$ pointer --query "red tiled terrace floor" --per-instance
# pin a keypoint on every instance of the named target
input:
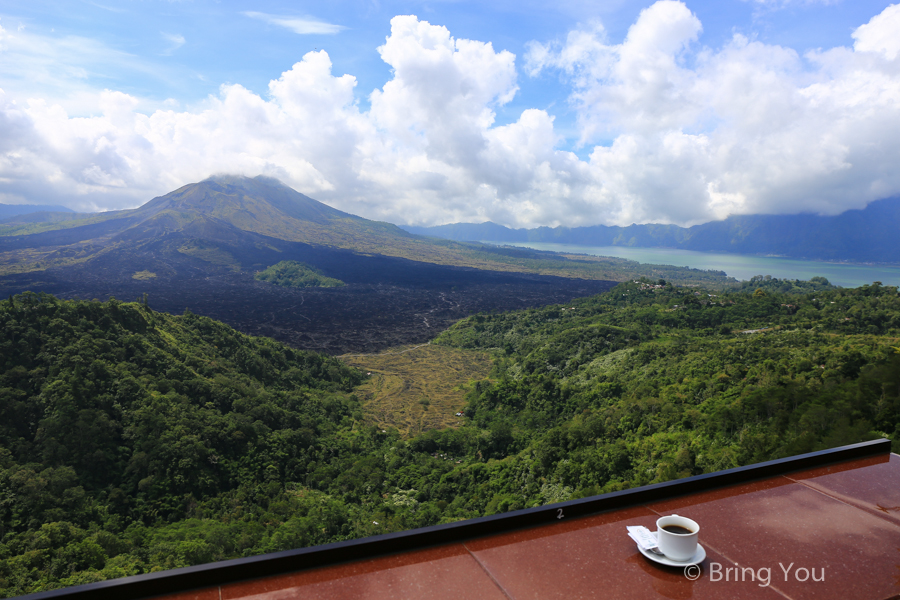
(838, 523)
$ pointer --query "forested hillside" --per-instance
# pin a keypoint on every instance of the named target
(650, 382)
(117, 423)
(132, 440)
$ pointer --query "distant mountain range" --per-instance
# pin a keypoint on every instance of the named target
(867, 235)
(11, 210)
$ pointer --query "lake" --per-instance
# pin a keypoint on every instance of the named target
(739, 266)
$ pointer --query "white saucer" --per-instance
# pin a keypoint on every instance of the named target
(665, 560)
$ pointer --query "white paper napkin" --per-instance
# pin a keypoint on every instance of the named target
(645, 538)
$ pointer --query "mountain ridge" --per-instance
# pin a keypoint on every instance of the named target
(220, 207)
(248, 216)
(8, 211)
(260, 205)
(860, 235)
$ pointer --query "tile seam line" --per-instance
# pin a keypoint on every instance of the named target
(873, 513)
(726, 557)
(488, 573)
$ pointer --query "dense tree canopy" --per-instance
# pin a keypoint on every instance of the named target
(290, 273)
(114, 417)
(132, 440)
(676, 382)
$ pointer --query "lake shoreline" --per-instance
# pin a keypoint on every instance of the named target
(740, 266)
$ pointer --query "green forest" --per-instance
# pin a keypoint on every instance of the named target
(133, 441)
(290, 273)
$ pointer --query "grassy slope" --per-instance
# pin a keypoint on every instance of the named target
(418, 388)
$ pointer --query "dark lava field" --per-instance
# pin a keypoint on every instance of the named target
(386, 302)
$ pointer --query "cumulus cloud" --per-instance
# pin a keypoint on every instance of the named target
(748, 128)
(880, 34)
(427, 151)
(299, 25)
(675, 132)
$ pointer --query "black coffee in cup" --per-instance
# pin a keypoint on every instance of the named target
(677, 529)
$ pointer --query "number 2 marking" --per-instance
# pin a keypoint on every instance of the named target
(559, 513)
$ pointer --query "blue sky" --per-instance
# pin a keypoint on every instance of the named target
(582, 112)
(184, 50)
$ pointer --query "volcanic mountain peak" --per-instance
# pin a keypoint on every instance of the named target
(242, 223)
(260, 205)
(229, 209)
(243, 199)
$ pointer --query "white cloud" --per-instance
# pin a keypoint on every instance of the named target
(65, 70)
(749, 128)
(778, 4)
(881, 34)
(176, 41)
(299, 25)
(696, 133)
(113, 9)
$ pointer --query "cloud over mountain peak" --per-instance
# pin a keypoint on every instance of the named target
(674, 131)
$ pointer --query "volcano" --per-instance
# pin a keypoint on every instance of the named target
(199, 247)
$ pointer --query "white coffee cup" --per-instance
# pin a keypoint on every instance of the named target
(677, 546)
